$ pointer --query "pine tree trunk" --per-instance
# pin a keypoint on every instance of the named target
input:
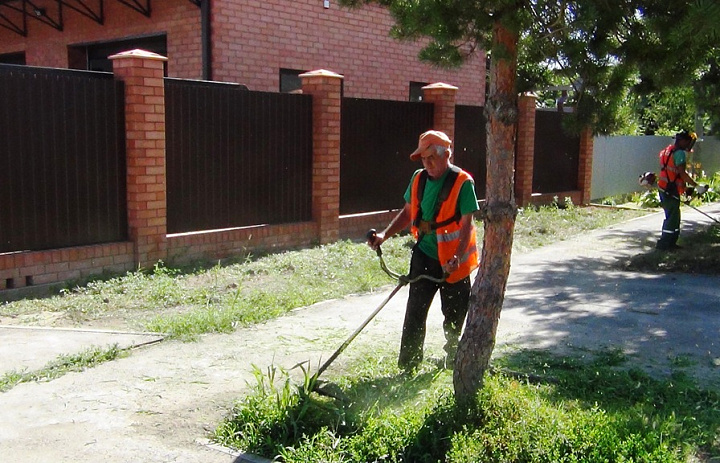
(488, 290)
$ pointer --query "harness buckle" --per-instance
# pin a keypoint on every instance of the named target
(424, 227)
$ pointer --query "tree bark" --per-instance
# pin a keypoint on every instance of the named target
(488, 290)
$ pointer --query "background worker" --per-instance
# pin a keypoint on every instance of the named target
(439, 203)
(672, 183)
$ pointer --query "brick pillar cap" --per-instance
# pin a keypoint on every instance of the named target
(529, 95)
(321, 73)
(137, 53)
(440, 85)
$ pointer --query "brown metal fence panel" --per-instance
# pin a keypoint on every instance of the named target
(235, 157)
(557, 155)
(377, 137)
(470, 144)
(62, 159)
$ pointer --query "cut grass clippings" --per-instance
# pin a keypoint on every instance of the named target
(699, 254)
(593, 410)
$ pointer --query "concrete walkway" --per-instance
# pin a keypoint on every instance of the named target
(160, 403)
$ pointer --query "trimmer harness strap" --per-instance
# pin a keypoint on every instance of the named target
(447, 186)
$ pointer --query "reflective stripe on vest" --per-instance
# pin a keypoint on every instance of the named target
(668, 169)
(448, 236)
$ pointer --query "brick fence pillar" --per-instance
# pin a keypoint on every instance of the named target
(324, 86)
(585, 165)
(142, 72)
(443, 97)
(525, 149)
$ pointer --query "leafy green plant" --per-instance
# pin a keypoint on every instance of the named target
(592, 410)
(713, 193)
(278, 413)
(648, 198)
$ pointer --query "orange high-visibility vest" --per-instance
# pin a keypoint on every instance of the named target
(669, 172)
(447, 228)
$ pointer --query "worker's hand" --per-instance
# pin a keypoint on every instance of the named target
(451, 265)
(375, 239)
(701, 189)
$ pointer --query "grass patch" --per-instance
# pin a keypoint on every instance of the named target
(536, 227)
(183, 303)
(593, 410)
(62, 365)
(700, 254)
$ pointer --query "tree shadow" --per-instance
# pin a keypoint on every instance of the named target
(600, 383)
(587, 301)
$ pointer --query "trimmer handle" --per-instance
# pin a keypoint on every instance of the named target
(370, 235)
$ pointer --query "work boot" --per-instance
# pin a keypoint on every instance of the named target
(667, 246)
(450, 349)
(409, 363)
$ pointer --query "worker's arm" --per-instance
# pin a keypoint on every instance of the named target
(680, 162)
(686, 177)
(399, 223)
(466, 229)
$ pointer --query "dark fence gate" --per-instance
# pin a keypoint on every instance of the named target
(557, 155)
(62, 159)
(377, 139)
(470, 144)
(235, 157)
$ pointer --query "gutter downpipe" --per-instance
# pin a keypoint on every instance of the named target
(206, 41)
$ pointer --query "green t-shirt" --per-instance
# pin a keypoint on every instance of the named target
(679, 157)
(467, 200)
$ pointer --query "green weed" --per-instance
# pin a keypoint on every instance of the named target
(594, 410)
(61, 366)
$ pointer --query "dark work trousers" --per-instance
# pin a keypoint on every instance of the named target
(454, 298)
(671, 224)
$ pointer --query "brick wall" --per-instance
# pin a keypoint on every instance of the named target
(47, 47)
(585, 166)
(524, 150)
(257, 38)
(142, 73)
(252, 40)
(237, 243)
(22, 269)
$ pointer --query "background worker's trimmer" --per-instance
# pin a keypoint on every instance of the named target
(702, 212)
(402, 281)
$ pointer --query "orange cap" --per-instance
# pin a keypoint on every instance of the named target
(431, 137)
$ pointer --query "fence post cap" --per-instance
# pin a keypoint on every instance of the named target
(321, 73)
(441, 85)
(138, 53)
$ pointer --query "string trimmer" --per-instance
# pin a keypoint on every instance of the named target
(402, 281)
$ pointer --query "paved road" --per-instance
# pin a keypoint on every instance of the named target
(158, 404)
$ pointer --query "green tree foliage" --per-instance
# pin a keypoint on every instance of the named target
(630, 63)
(599, 47)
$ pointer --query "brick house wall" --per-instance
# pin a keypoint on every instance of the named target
(252, 41)
(47, 47)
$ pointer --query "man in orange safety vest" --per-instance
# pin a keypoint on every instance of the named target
(439, 205)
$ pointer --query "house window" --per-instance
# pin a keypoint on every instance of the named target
(416, 93)
(12, 58)
(290, 80)
(94, 56)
